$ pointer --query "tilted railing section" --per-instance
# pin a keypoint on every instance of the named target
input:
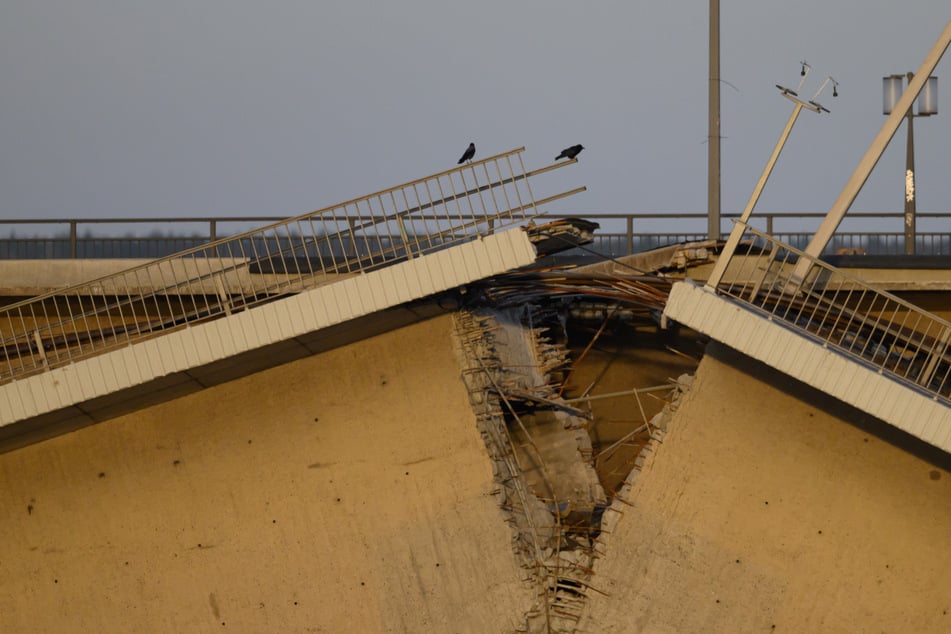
(842, 312)
(257, 266)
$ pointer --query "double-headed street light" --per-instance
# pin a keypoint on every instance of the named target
(739, 226)
(892, 89)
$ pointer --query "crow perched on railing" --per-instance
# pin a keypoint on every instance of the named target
(468, 154)
(570, 152)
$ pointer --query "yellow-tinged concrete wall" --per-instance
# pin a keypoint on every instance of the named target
(346, 492)
(350, 492)
(765, 509)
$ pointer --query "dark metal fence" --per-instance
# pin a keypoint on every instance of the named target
(620, 234)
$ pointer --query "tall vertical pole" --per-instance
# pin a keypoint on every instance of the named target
(910, 210)
(713, 140)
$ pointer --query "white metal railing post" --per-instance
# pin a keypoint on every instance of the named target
(72, 239)
(630, 234)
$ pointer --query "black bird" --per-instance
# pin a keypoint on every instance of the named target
(570, 152)
(468, 154)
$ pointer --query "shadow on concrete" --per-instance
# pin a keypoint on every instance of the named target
(820, 400)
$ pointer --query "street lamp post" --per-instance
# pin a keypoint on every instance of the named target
(713, 113)
(739, 226)
(868, 161)
(892, 88)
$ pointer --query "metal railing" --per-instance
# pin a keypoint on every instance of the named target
(620, 234)
(842, 312)
(240, 271)
(623, 234)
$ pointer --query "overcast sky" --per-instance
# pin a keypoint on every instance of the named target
(239, 107)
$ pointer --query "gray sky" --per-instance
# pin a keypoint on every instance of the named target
(212, 107)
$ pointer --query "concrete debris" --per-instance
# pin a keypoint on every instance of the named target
(542, 455)
(517, 365)
(662, 418)
(659, 424)
(675, 257)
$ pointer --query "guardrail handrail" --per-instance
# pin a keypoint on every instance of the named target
(843, 312)
(620, 234)
(288, 256)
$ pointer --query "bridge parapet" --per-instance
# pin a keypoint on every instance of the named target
(282, 258)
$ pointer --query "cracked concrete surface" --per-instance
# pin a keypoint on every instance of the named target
(348, 491)
(771, 507)
(351, 491)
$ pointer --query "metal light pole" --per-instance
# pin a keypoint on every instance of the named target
(874, 152)
(892, 88)
(713, 138)
(739, 226)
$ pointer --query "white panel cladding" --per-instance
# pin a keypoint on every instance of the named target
(247, 326)
(126, 365)
(808, 361)
(357, 304)
(149, 353)
(929, 427)
(22, 407)
(411, 275)
(282, 327)
(441, 277)
(37, 392)
(942, 437)
(296, 316)
(218, 344)
(11, 408)
(326, 313)
(290, 317)
(430, 275)
(896, 408)
(73, 387)
(201, 347)
(85, 380)
(375, 287)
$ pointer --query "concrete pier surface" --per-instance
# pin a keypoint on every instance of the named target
(770, 507)
(345, 492)
(351, 491)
